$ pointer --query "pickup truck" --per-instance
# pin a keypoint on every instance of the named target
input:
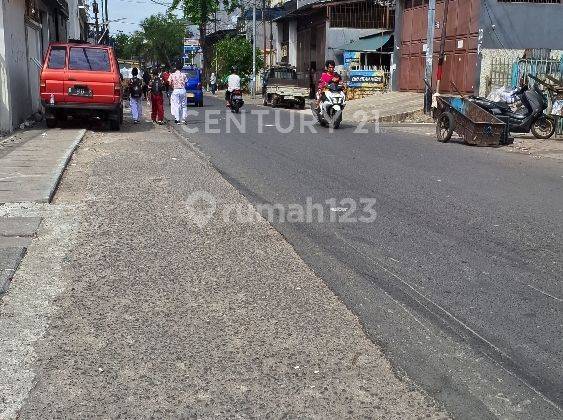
(282, 86)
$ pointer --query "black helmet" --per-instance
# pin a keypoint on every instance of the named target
(233, 69)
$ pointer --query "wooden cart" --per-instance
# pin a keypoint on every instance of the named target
(475, 125)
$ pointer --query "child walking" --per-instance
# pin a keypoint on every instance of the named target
(136, 95)
(157, 86)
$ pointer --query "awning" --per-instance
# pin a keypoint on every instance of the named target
(370, 43)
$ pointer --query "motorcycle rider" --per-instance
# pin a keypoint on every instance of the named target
(328, 76)
(233, 83)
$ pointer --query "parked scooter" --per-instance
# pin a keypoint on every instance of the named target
(529, 118)
(235, 101)
(333, 101)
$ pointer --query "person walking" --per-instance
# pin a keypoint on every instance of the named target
(156, 89)
(136, 95)
(165, 77)
(146, 80)
(178, 99)
(213, 83)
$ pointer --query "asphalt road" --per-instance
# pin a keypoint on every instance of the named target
(459, 276)
(125, 308)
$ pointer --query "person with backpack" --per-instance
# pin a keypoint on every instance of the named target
(157, 87)
(136, 95)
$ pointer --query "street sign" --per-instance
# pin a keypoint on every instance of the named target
(191, 42)
(190, 50)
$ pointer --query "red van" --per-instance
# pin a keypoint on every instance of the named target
(81, 80)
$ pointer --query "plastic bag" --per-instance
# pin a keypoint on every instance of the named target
(557, 107)
(503, 94)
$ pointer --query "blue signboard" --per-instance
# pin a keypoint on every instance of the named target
(191, 49)
(366, 78)
(351, 57)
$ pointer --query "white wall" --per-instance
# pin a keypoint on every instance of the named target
(292, 43)
(5, 114)
(18, 103)
(73, 24)
(278, 31)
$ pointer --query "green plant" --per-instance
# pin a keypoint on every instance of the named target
(237, 52)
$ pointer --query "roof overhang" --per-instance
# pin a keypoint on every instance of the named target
(370, 43)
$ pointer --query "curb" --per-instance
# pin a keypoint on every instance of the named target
(62, 166)
(7, 273)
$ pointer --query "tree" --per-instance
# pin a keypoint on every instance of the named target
(120, 43)
(199, 12)
(235, 51)
(163, 36)
(159, 40)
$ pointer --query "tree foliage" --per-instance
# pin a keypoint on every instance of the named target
(160, 40)
(237, 52)
(199, 13)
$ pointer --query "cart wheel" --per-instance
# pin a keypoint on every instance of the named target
(444, 127)
(543, 128)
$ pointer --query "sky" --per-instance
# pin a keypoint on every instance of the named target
(131, 12)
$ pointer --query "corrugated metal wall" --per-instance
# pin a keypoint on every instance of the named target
(461, 45)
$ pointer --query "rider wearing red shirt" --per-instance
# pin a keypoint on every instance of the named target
(328, 76)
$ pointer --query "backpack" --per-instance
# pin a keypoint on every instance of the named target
(157, 85)
(136, 87)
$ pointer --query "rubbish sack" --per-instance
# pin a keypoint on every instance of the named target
(503, 94)
(557, 107)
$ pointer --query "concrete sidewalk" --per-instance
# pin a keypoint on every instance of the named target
(31, 171)
(31, 165)
(156, 316)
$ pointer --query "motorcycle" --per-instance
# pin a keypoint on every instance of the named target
(529, 118)
(235, 101)
(332, 103)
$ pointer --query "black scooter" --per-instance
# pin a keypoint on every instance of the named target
(529, 118)
(235, 101)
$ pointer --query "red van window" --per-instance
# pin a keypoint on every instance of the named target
(93, 59)
(57, 58)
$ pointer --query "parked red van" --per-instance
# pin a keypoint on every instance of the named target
(81, 80)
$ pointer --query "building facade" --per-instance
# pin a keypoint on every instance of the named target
(478, 32)
(318, 31)
(26, 28)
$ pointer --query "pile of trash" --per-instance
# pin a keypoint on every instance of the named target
(557, 107)
(503, 94)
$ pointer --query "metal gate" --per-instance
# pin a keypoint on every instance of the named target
(461, 45)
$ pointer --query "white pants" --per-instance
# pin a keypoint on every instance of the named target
(136, 108)
(178, 104)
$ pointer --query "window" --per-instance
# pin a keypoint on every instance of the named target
(93, 59)
(191, 74)
(57, 58)
(360, 15)
(284, 74)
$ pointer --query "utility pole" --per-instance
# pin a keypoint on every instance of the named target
(253, 87)
(271, 33)
(264, 31)
(97, 25)
(107, 22)
(442, 55)
(429, 56)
